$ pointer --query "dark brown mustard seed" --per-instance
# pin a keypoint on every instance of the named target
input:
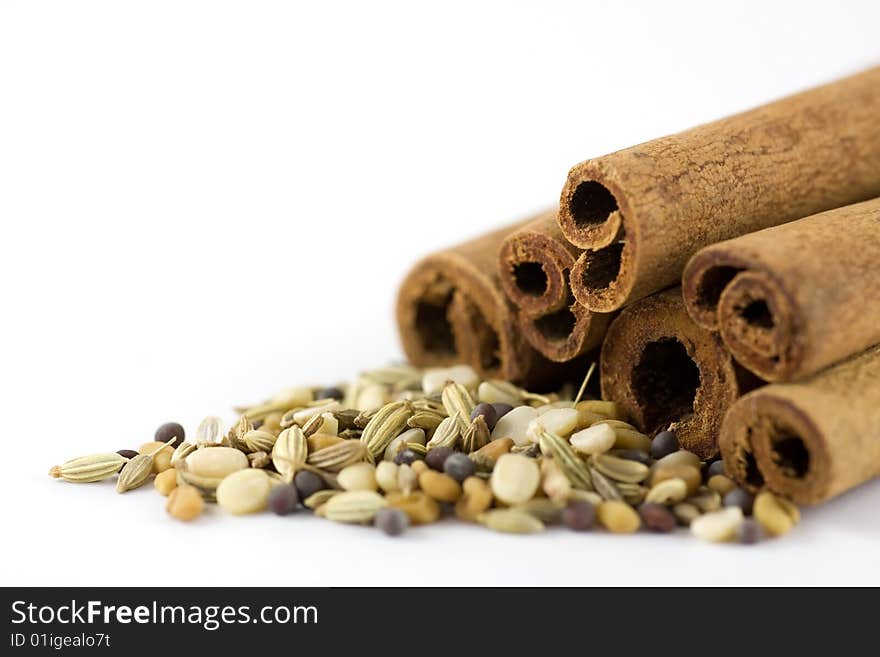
(330, 393)
(657, 517)
(716, 468)
(170, 432)
(307, 484)
(127, 453)
(437, 457)
(501, 409)
(749, 532)
(579, 516)
(459, 466)
(632, 455)
(743, 499)
(664, 443)
(488, 413)
(283, 499)
(406, 456)
(391, 521)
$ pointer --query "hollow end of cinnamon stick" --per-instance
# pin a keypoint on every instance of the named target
(451, 309)
(758, 323)
(812, 439)
(769, 441)
(590, 213)
(791, 300)
(423, 314)
(564, 334)
(533, 265)
(705, 278)
(601, 279)
(668, 373)
(448, 313)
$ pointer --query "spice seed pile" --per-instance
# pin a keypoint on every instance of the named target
(403, 446)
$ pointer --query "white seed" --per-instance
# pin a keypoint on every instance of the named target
(399, 444)
(386, 476)
(546, 408)
(593, 440)
(293, 397)
(515, 478)
(329, 424)
(371, 397)
(465, 375)
(718, 526)
(306, 414)
(360, 476)
(216, 462)
(515, 424)
(561, 421)
(498, 392)
(245, 491)
(668, 491)
(435, 378)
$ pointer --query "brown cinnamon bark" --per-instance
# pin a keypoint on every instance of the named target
(809, 440)
(793, 299)
(643, 211)
(566, 333)
(668, 373)
(451, 309)
(533, 264)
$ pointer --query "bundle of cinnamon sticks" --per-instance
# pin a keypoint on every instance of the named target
(727, 278)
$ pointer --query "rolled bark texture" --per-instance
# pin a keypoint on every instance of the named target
(451, 309)
(533, 265)
(642, 212)
(668, 373)
(793, 299)
(567, 333)
(809, 440)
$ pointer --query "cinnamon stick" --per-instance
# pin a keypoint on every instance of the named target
(793, 299)
(668, 373)
(809, 440)
(564, 334)
(533, 265)
(643, 211)
(451, 309)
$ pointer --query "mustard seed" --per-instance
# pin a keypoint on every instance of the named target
(307, 484)
(170, 432)
(459, 466)
(657, 517)
(391, 521)
(488, 412)
(579, 516)
(437, 456)
(283, 499)
(664, 443)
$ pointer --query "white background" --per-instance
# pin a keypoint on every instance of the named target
(201, 202)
